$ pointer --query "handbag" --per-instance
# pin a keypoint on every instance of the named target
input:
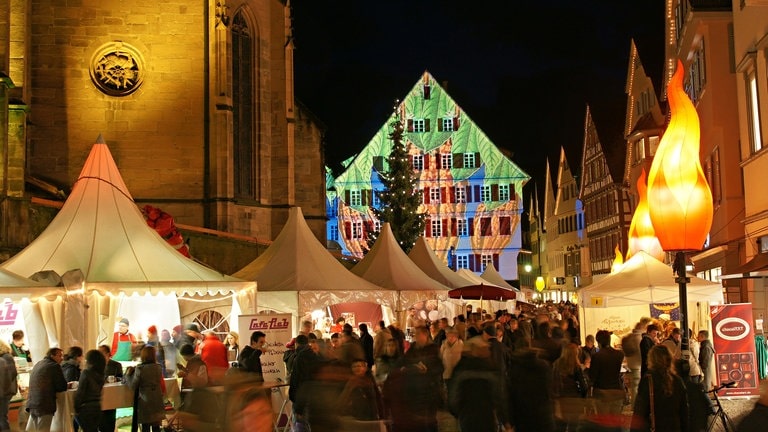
(653, 411)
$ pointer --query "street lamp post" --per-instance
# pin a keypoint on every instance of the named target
(679, 198)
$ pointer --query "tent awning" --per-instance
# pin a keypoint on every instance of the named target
(757, 267)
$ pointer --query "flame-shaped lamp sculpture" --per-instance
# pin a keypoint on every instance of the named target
(642, 236)
(679, 199)
(618, 262)
(540, 284)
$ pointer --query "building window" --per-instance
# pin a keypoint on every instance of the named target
(355, 197)
(462, 229)
(418, 162)
(376, 225)
(437, 228)
(653, 144)
(753, 101)
(446, 160)
(485, 193)
(245, 138)
(419, 125)
(434, 195)
(485, 261)
(469, 160)
(448, 124)
(357, 230)
(486, 227)
(504, 192)
(334, 232)
(697, 74)
(462, 261)
(461, 194)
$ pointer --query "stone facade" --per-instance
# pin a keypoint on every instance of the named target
(156, 80)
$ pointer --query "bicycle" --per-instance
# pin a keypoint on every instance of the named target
(718, 411)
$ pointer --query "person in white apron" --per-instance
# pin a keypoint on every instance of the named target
(123, 342)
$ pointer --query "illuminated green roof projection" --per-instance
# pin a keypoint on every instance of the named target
(467, 138)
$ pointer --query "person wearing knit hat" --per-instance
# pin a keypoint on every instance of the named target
(123, 341)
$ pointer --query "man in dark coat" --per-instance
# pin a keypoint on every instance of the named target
(45, 381)
(250, 356)
(646, 343)
(115, 369)
(530, 398)
(304, 365)
(366, 340)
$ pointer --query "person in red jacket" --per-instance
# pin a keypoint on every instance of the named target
(214, 355)
(123, 342)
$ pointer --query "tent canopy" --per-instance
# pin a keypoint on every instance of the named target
(430, 264)
(100, 231)
(643, 280)
(492, 275)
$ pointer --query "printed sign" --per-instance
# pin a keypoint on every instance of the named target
(11, 319)
(667, 311)
(277, 327)
(734, 341)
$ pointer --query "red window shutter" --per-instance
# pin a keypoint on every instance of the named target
(456, 123)
(426, 161)
(471, 262)
(410, 125)
(426, 195)
(478, 161)
(451, 194)
(445, 227)
(428, 225)
(438, 161)
(478, 262)
(494, 192)
(496, 261)
(453, 227)
(471, 223)
(367, 227)
(512, 192)
(348, 230)
(477, 193)
(346, 197)
(505, 225)
(444, 195)
(486, 229)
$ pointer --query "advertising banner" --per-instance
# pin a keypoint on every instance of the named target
(11, 319)
(734, 339)
(278, 329)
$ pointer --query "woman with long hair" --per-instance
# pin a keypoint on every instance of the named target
(662, 401)
(232, 342)
(569, 385)
(147, 379)
(88, 395)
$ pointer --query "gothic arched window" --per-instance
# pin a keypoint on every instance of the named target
(243, 109)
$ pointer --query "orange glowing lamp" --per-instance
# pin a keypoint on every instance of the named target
(618, 262)
(679, 199)
(642, 236)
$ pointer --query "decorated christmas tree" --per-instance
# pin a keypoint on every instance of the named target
(400, 199)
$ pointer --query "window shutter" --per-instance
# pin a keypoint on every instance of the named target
(410, 125)
(427, 91)
(494, 192)
(444, 195)
(378, 163)
(512, 193)
(453, 227)
(451, 194)
(496, 261)
(347, 197)
(471, 262)
(458, 160)
(439, 125)
(445, 227)
(426, 195)
(478, 161)
(478, 197)
(426, 161)
(429, 227)
(426, 125)
(471, 223)
(478, 262)
(348, 230)
(468, 193)
(456, 123)
(367, 197)
(438, 161)
(367, 227)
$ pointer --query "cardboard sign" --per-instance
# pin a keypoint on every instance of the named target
(734, 339)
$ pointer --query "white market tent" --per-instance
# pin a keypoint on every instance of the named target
(386, 265)
(430, 264)
(491, 275)
(101, 240)
(489, 304)
(618, 300)
(297, 274)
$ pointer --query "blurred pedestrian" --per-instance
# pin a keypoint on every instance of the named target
(147, 379)
(662, 401)
(45, 381)
(88, 394)
(8, 384)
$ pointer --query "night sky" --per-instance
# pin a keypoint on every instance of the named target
(523, 71)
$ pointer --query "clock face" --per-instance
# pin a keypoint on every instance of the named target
(117, 69)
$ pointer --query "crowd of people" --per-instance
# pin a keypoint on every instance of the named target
(524, 372)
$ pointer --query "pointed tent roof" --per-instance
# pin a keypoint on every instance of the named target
(100, 231)
(642, 280)
(491, 275)
(297, 261)
(472, 276)
(430, 264)
(388, 266)
(12, 280)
